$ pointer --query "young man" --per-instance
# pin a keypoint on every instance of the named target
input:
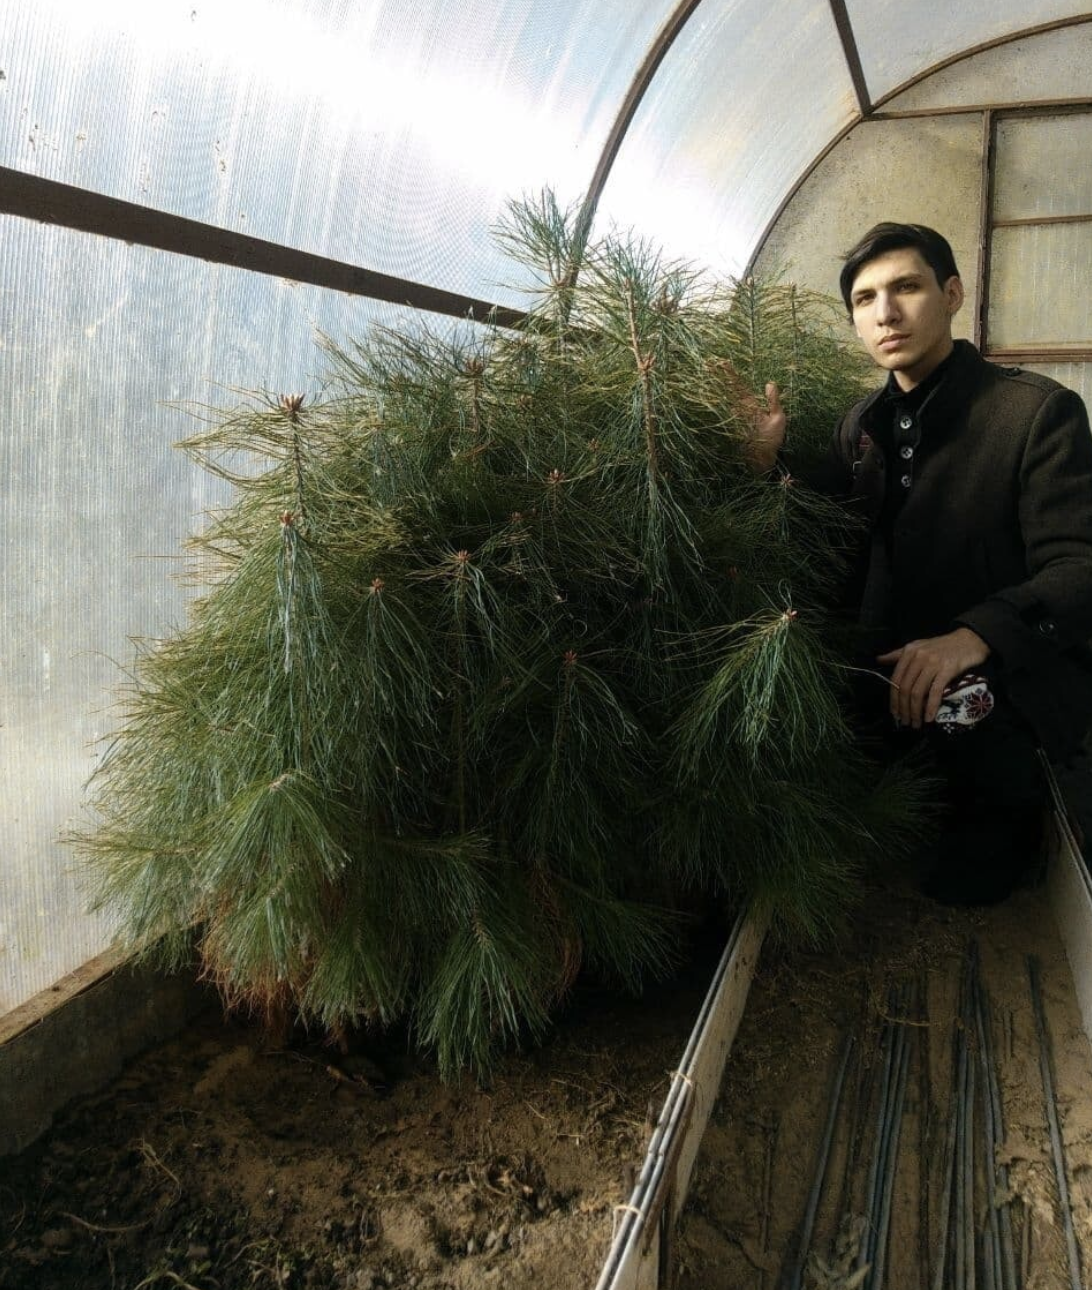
(976, 579)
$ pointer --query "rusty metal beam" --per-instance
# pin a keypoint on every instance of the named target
(1017, 107)
(1037, 221)
(852, 56)
(985, 212)
(1016, 354)
(45, 200)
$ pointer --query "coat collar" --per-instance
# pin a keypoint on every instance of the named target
(966, 371)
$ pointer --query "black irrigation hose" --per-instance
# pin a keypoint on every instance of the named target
(1052, 1119)
(958, 1228)
(767, 1193)
(991, 1236)
(965, 1278)
(926, 1128)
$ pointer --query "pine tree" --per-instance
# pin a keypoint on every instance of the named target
(505, 655)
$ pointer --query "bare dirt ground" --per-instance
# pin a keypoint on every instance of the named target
(760, 1155)
(218, 1163)
(214, 1163)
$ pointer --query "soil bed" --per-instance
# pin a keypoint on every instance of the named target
(217, 1164)
(759, 1160)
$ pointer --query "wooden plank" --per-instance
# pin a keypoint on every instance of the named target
(86, 977)
(72, 1039)
(633, 1262)
(714, 1046)
(1071, 897)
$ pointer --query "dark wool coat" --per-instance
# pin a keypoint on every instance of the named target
(994, 530)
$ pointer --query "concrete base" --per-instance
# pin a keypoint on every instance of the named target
(73, 1038)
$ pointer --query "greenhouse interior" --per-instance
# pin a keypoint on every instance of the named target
(462, 826)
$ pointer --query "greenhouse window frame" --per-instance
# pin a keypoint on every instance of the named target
(877, 112)
(992, 118)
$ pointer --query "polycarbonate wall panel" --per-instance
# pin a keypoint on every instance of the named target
(897, 41)
(919, 171)
(382, 134)
(1042, 167)
(97, 339)
(744, 101)
(1038, 286)
(1054, 64)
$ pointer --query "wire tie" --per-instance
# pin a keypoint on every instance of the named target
(618, 1210)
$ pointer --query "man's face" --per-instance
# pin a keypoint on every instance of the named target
(903, 315)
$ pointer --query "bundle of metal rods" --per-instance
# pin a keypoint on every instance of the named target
(895, 1046)
(974, 1247)
(895, 1049)
(964, 1254)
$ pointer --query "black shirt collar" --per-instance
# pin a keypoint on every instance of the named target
(913, 399)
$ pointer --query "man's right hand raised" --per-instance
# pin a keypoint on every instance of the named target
(769, 430)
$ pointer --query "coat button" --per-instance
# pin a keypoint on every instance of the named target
(1048, 626)
(906, 452)
(905, 422)
(905, 481)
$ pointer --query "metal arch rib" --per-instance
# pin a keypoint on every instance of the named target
(1010, 37)
(658, 50)
(642, 79)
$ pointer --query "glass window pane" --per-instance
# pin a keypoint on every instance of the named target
(1042, 167)
(99, 342)
(734, 116)
(1038, 292)
(382, 134)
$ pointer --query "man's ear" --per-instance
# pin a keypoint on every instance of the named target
(953, 289)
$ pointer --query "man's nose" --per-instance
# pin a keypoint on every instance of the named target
(887, 308)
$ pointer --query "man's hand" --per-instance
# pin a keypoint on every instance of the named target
(769, 429)
(923, 668)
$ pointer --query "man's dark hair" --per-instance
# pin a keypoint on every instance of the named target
(887, 236)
